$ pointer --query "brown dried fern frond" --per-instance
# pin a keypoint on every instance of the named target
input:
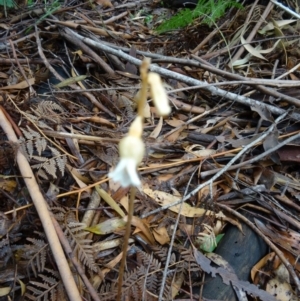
(34, 144)
(76, 234)
(161, 253)
(60, 214)
(38, 121)
(189, 262)
(142, 283)
(48, 110)
(80, 245)
(45, 107)
(49, 287)
(5, 250)
(36, 253)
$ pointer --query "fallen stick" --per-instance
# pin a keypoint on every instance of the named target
(185, 79)
(44, 215)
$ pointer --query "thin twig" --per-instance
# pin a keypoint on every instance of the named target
(20, 67)
(254, 159)
(166, 269)
(258, 84)
(223, 170)
(74, 40)
(287, 9)
(188, 80)
(36, 61)
(63, 135)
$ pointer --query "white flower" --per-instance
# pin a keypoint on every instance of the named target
(125, 173)
(131, 149)
(159, 94)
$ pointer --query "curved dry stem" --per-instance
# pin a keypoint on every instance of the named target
(126, 241)
(43, 212)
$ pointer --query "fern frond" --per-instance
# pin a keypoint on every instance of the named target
(42, 174)
(189, 261)
(46, 106)
(29, 147)
(36, 253)
(82, 246)
(40, 144)
(22, 147)
(61, 160)
(36, 143)
(37, 120)
(49, 288)
(33, 136)
(59, 213)
(54, 151)
(50, 167)
(5, 250)
(142, 283)
(30, 133)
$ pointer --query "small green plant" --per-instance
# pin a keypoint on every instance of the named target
(49, 10)
(206, 240)
(210, 10)
(8, 3)
(148, 19)
(30, 3)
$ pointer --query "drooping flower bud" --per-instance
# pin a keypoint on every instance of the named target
(158, 94)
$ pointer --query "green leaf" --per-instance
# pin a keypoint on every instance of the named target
(209, 245)
(8, 3)
(209, 10)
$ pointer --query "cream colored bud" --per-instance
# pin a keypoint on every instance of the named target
(158, 94)
(136, 127)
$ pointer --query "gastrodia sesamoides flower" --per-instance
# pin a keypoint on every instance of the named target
(158, 94)
(131, 150)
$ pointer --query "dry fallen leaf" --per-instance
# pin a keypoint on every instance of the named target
(163, 198)
(104, 3)
(161, 235)
(22, 85)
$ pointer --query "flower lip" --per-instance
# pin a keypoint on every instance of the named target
(131, 149)
(126, 173)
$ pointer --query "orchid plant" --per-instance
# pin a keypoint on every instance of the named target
(132, 149)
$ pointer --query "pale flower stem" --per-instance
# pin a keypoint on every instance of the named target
(143, 92)
(126, 239)
(130, 158)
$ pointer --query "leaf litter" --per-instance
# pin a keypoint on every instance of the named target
(69, 82)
